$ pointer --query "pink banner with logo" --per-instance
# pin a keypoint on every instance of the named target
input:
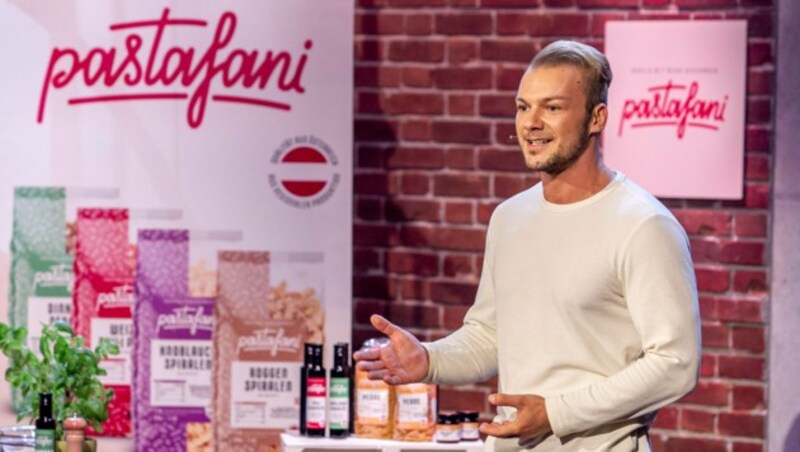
(677, 106)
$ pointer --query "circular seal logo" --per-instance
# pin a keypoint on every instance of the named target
(304, 172)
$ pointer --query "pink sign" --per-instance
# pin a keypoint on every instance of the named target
(677, 106)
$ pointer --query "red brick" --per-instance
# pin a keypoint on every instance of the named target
(697, 4)
(464, 24)
(667, 418)
(508, 50)
(741, 311)
(559, 3)
(457, 265)
(506, 134)
(453, 292)
(759, 24)
(759, 81)
(759, 111)
(744, 367)
(422, 51)
(371, 287)
(454, 316)
(510, 3)
(371, 76)
(715, 335)
(369, 209)
(372, 3)
(373, 235)
(708, 366)
(599, 21)
(413, 289)
(378, 24)
(454, 399)
(365, 259)
(494, 106)
(461, 105)
(655, 3)
(748, 398)
(461, 239)
(751, 225)
(371, 184)
(468, 185)
(419, 24)
(650, 15)
(415, 315)
(417, 3)
(369, 50)
(458, 212)
(742, 253)
(485, 211)
(369, 102)
(415, 130)
(364, 309)
(464, 3)
(759, 53)
(374, 130)
(712, 279)
(749, 338)
(496, 160)
(460, 158)
(415, 184)
(370, 157)
(711, 393)
(424, 264)
(749, 281)
(756, 168)
(508, 185)
(708, 307)
(463, 78)
(462, 51)
(704, 222)
(415, 103)
(566, 24)
(460, 132)
(415, 158)
(417, 77)
(705, 249)
(679, 444)
(697, 421)
(400, 211)
(748, 447)
(616, 4)
(508, 77)
(512, 24)
(756, 196)
(736, 424)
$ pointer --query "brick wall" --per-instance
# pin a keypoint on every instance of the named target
(434, 88)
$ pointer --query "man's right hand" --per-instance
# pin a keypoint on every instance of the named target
(403, 360)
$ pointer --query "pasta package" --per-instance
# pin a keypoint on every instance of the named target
(375, 402)
(172, 349)
(416, 412)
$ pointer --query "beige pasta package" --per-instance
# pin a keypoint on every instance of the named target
(257, 358)
(415, 412)
(374, 402)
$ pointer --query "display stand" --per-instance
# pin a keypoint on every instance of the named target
(295, 443)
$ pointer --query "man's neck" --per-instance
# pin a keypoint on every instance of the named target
(587, 176)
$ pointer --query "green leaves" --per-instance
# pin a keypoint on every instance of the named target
(67, 368)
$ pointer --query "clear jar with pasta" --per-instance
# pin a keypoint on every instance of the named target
(375, 402)
(415, 416)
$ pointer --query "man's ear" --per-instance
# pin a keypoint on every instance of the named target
(599, 119)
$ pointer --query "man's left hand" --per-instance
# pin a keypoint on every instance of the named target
(531, 422)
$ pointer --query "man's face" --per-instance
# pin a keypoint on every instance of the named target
(552, 124)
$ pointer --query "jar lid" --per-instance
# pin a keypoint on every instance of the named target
(468, 416)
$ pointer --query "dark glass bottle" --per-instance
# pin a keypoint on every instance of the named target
(316, 391)
(308, 358)
(340, 392)
(45, 424)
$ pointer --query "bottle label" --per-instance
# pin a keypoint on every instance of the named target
(45, 440)
(315, 403)
(340, 403)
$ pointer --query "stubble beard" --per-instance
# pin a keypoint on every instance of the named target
(562, 159)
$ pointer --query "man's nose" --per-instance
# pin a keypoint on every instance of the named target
(532, 120)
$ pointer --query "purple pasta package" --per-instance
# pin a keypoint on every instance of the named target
(172, 349)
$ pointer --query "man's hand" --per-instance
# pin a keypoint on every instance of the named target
(531, 423)
(403, 360)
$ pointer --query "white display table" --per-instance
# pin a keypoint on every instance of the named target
(295, 443)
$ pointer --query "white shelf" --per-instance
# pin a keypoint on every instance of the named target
(295, 443)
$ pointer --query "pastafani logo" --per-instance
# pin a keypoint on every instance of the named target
(59, 275)
(272, 340)
(305, 172)
(121, 297)
(672, 105)
(186, 318)
(146, 71)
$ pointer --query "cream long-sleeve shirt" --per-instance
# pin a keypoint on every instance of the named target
(591, 305)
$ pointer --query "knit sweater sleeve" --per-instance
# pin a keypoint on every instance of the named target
(470, 353)
(661, 295)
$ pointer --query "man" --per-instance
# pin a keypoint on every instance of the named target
(587, 303)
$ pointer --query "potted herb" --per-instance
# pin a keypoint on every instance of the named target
(66, 368)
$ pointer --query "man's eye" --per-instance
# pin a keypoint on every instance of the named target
(521, 107)
(553, 107)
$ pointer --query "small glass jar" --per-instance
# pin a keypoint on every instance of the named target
(469, 426)
(448, 429)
